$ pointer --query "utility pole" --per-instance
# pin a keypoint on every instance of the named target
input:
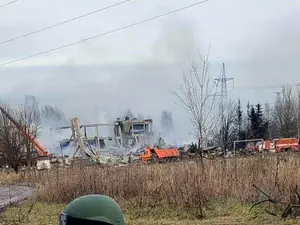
(223, 80)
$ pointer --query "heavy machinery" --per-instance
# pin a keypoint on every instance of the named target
(155, 154)
(286, 144)
(274, 145)
(43, 156)
(280, 145)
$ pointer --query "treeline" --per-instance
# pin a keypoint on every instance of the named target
(280, 119)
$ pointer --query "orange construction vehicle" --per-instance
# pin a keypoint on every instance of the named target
(43, 159)
(160, 155)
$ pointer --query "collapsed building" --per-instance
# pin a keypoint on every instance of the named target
(124, 144)
(133, 132)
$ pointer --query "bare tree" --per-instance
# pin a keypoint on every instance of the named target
(53, 113)
(197, 95)
(11, 139)
(268, 119)
(31, 104)
(285, 113)
(227, 132)
(30, 119)
(18, 126)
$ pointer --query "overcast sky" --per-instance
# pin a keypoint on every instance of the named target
(138, 67)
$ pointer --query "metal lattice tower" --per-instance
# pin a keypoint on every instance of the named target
(223, 80)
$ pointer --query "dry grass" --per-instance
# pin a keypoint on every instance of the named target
(179, 184)
(181, 191)
(7, 178)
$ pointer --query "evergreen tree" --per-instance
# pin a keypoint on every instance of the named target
(239, 120)
(253, 123)
(259, 113)
(248, 122)
(258, 127)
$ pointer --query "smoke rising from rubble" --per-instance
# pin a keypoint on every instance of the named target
(265, 54)
(101, 93)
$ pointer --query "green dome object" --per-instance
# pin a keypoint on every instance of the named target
(96, 208)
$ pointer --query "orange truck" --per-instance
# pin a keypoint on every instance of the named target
(160, 155)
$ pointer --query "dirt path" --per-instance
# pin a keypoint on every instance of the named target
(14, 194)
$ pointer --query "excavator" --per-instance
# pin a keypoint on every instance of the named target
(43, 156)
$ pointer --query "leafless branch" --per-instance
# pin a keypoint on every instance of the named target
(15, 147)
(285, 113)
(197, 95)
(288, 210)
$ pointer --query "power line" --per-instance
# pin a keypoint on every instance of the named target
(105, 33)
(8, 3)
(63, 22)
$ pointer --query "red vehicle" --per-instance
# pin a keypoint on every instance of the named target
(286, 144)
(279, 145)
(267, 145)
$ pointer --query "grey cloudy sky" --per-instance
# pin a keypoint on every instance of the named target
(138, 67)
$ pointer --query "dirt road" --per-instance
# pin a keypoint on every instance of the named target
(14, 194)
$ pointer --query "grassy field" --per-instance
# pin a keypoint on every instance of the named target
(179, 193)
(220, 213)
